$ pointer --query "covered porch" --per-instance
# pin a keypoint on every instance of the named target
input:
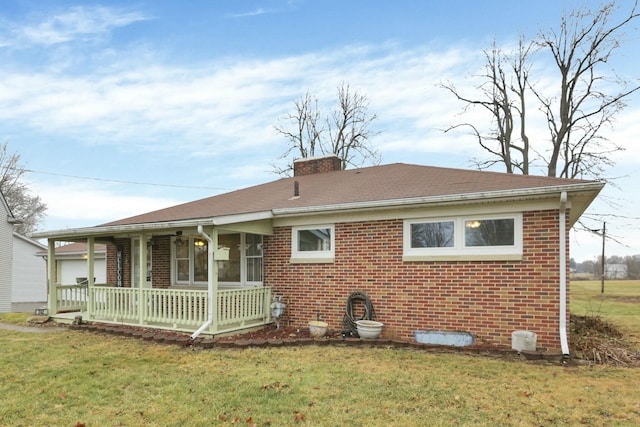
(171, 309)
(183, 293)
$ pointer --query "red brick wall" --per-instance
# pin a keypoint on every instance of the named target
(125, 245)
(491, 299)
(316, 165)
(161, 261)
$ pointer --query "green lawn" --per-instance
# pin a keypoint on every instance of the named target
(69, 377)
(619, 304)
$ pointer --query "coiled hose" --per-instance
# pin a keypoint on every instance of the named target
(349, 321)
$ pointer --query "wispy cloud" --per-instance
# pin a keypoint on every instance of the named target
(77, 22)
(73, 201)
(236, 103)
(255, 12)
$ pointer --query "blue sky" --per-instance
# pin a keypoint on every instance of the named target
(186, 94)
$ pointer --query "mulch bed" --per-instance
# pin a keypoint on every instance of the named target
(291, 336)
(593, 341)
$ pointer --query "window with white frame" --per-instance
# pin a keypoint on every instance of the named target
(473, 236)
(244, 266)
(190, 256)
(313, 242)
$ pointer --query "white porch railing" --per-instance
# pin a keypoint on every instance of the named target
(178, 309)
(243, 305)
(71, 298)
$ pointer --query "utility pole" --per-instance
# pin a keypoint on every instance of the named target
(604, 234)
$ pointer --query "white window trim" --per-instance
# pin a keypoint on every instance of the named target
(202, 284)
(460, 251)
(312, 256)
(191, 255)
(244, 282)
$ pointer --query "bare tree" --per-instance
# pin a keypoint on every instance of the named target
(345, 132)
(503, 97)
(585, 99)
(29, 209)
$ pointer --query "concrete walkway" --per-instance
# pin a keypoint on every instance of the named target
(32, 329)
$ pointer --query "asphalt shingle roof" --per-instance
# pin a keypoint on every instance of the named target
(377, 183)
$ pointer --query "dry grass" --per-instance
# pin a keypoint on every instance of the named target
(70, 377)
(67, 378)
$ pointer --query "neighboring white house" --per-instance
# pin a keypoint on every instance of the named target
(23, 266)
(29, 287)
(23, 275)
(6, 255)
(615, 271)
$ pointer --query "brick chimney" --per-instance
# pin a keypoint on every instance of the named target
(313, 165)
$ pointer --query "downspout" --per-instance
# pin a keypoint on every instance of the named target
(564, 343)
(210, 287)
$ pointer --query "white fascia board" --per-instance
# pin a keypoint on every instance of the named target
(246, 217)
(518, 194)
(152, 226)
(118, 229)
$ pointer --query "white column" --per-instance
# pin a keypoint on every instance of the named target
(90, 273)
(142, 260)
(52, 303)
(213, 278)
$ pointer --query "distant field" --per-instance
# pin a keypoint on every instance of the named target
(620, 303)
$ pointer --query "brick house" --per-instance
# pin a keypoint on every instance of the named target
(434, 249)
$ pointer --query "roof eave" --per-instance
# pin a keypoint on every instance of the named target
(110, 230)
(592, 188)
(451, 199)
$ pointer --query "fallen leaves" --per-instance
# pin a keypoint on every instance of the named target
(278, 386)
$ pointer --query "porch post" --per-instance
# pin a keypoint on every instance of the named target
(213, 277)
(142, 305)
(52, 299)
(90, 273)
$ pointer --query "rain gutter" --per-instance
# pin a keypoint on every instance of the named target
(526, 193)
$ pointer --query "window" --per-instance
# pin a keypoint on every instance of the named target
(244, 266)
(313, 243)
(477, 237)
(182, 259)
(191, 260)
(489, 232)
(229, 270)
(253, 250)
(200, 260)
(432, 234)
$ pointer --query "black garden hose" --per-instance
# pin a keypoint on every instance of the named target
(349, 321)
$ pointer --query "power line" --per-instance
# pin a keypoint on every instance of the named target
(153, 184)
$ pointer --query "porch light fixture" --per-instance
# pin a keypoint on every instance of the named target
(198, 243)
(473, 224)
